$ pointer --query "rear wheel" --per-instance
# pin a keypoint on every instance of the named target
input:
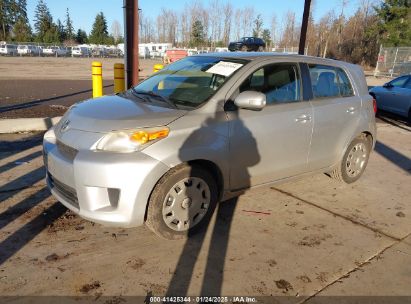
(354, 161)
(182, 202)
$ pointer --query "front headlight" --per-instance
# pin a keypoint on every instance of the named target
(131, 140)
(50, 136)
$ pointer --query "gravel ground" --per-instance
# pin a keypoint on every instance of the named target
(297, 240)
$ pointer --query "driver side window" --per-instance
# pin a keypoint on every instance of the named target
(279, 82)
(399, 82)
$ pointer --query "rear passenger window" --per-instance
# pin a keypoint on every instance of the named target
(328, 81)
(279, 82)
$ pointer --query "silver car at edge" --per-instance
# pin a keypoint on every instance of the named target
(205, 129)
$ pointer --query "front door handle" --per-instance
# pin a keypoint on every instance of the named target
(351, 110)
(303, 118)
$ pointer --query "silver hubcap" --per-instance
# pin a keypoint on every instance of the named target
(356, 160)
(186, 203)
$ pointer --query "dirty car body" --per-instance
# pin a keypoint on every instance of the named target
(236, 120)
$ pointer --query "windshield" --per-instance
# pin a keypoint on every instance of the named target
(191, 81)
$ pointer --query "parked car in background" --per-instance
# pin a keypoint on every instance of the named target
(68, 49)
(394, 96)
(203, 130)
(29, 50)
(54, 51)
(247, 44)
(8, 49)
(99, 51)
(79, 51)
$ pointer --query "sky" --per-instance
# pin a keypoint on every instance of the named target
(83, 12)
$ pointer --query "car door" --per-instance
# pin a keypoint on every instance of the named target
(387, 95)
(273, 143)
(401, 100)
(336, 114)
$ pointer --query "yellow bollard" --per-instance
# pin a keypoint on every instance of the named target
(119, 82)
(157, 67)
(97, 77)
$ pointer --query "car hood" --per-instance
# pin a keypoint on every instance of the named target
(114, 112)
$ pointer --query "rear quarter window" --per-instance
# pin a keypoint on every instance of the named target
(329, 81)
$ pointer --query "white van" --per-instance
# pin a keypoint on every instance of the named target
(79, 51)
(8, 49)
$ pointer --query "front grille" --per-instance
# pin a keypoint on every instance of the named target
(68, 193)
(67, 151)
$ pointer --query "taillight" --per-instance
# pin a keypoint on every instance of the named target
(374, 104)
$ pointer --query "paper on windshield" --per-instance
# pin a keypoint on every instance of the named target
(224, 68)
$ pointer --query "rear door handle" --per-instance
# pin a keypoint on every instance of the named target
(351, 110)
(303, 118)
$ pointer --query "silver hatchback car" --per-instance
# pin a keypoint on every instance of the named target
(205, 129)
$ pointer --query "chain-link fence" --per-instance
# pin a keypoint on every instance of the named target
(393, 61)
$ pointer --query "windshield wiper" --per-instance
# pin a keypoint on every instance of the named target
(157, 96)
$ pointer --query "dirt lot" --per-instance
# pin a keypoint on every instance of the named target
(301, 239)
(17, 68)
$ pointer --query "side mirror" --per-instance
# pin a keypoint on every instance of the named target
(387, 85)
(250, 100)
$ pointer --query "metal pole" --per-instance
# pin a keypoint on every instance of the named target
(131, 41)
(304, 26)
(378, 62)
(395, 60)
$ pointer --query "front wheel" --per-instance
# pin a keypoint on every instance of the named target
(354, 161)
(260, 48)
(244, 48)
(182, 202)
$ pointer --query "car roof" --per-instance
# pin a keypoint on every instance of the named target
(251, 56)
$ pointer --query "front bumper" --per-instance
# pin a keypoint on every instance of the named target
(108, 188)
(232, 47)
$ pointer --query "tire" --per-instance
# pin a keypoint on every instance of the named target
(260, 49)
(244, 48)
(354, 161)
(169, 209)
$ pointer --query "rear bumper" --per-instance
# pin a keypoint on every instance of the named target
(108, 188)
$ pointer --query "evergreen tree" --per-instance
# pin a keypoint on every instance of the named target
(22, 30)
(81, 37)
(395, 22)
(52, 35)
(70, 35)
(43, 23)
(5, 19)
(99, 32)
(61, 31)
(197, 34)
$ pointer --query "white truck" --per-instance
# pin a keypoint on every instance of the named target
(8, 49)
